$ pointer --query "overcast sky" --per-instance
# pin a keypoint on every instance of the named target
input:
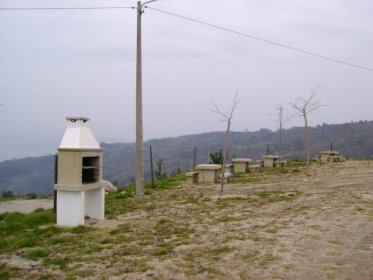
(59, 63)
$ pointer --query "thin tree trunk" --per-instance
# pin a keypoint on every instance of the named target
(227, 117)
(305, 107)
(280, 140)
(307, 147)
(226, 144)
(151, 166)
(194, 158)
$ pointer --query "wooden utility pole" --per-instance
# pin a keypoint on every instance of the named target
(139, 129)
(281, 122)
(139, 124)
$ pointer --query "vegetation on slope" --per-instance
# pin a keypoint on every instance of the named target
(35, 175)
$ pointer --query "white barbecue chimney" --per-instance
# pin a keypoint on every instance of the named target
(80, 188)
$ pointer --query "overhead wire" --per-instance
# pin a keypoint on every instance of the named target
(65, 8)
(261, 39)
(200, 22)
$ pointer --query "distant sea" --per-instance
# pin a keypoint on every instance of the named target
(16, 151)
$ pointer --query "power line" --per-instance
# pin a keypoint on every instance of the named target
(200, 22)
(262, 40)
(65, 8)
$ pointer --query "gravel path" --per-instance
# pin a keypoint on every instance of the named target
(25, 206)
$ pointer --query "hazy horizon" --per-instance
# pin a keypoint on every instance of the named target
(51, 148)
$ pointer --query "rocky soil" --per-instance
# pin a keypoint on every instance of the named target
(290, 225)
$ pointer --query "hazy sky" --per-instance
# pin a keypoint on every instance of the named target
(59, 63)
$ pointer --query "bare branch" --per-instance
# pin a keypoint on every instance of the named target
(314, 108)
(234, 106)
(303, 108)
(227, 118)
(218, 112)
(297, 108)
(280, 113)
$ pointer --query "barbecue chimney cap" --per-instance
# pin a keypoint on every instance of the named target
(78, 135)
(74, 119)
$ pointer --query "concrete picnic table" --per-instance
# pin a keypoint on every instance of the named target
(208, 173)
(241, 164)
(270, 160)
(329, 156)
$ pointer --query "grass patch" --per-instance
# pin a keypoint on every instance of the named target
(248, 178)
(258, 238)
(61, 262)
(126, 192)
(7, 272)
(336, 242)
(47, 276)
(277, 196)
(119, 206)
(160, 252)
(251, 256)
(221, 250)
(37, 254)
(19, 230)
(228, 219)
(14, 222)
(170, 182)
(93, 249)
(260, 198)
(58, 240)
(81, 229)
(163, 221)
(2, 199)
(272, 230)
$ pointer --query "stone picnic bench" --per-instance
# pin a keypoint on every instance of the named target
(329, 156)
(241, 165)
(208, 173)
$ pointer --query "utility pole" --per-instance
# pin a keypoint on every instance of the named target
(139, 124)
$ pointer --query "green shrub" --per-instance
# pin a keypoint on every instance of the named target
(217, 157)
(8, 194)
(31, 196)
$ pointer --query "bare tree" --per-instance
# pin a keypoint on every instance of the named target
(303, 107)
(281, 122)
(226, 117)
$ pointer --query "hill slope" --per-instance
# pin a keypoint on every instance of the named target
(276, 224)
(35, 175)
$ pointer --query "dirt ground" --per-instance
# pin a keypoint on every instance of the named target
(25, 206)
(315, 225)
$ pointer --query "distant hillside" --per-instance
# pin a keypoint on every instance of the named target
(35, 175)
